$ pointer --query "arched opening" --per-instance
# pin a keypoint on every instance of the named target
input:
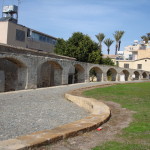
(95, 74)
(124, 75)
(79, 75)
(71, 74)
(137, 75)
(144, 75)
(111, 74)
(49, 74)
(13, 75)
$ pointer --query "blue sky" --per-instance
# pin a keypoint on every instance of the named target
(60, 18)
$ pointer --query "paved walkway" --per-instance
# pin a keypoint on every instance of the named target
(27, 111)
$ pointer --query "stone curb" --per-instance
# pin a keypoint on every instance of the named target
(100, 113)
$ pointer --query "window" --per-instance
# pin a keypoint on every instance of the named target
(20, 35)
(43, 38)
(139, 66)
(126, 65)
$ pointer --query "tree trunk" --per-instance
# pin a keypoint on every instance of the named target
(108, 51)
(116, 49)
(119, 45)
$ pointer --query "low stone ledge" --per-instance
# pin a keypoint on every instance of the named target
(100, 113)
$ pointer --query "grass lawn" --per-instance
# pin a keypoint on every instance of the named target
(136, 97)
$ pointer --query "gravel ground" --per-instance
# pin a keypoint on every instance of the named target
(27, 111)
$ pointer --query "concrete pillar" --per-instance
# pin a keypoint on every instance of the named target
(2, 81)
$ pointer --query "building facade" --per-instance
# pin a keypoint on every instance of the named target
(18, 35)
(136, 56)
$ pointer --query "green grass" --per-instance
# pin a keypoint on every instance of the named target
(136, 97)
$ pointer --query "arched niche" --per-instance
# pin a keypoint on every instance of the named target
(13, 74)
(144, 75)
(79, 75)
(111, 74)
(137, 75)
(95, 74)
(124, 75)
(49, 74)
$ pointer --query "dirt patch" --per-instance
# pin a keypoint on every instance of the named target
(120, 118)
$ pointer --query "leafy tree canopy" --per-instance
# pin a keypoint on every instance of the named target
(81, 47)
(108, 61)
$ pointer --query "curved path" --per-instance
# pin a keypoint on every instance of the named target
(120, 119)
(24, 112)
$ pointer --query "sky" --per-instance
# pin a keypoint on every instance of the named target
(61, 18)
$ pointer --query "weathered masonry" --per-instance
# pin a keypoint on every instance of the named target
(22, 68)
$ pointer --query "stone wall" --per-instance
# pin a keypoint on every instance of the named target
(28, 69)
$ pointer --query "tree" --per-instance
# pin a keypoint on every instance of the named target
(100, 38)
(108, 61)
(108, 43)
(118, 35)
(146, 38)
(81, 47)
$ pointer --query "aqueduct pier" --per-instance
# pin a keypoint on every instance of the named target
(22, 68)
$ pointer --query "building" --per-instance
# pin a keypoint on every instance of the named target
(18, 35)
(136, 56)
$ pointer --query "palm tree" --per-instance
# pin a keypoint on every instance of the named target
(108, 43)
(146, 38)
(100, 38)
(118, 35)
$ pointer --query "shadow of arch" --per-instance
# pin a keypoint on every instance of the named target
(71, 73)
(137, 75)
(144, 75)
(79, 75)
(95, 74)
(124, 75)
(14, 74)
(49, 74)
(111, 74)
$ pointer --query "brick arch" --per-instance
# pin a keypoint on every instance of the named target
(95, 73)
(14, 74)
(49, 73)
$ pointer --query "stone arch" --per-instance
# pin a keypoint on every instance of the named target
(111, 74)
(13, 74)
(49, 74)
(136, 75)
(95, 74)
(144, 74)
(124, 75)
(79, 75)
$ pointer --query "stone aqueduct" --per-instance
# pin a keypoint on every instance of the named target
(27, 69)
